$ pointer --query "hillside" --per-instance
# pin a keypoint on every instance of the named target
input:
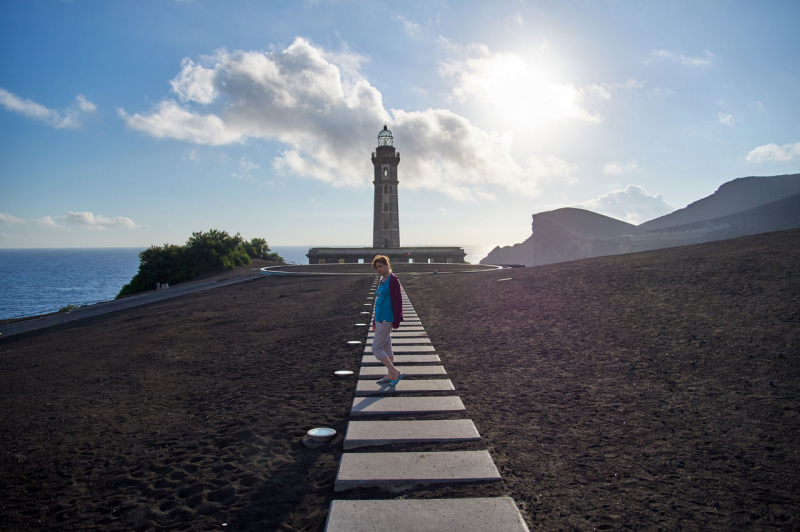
(734, 196)
(650, 391)
(733, 210)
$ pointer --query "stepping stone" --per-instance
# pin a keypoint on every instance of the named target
(401, 334)
(369, 360)
(407, 349)
(405, 326)
(364, 433)
(364, 470)
(380, 406)
(370, 387)
(376, 372)
(402, 330)
(481, 514)
(404, 341)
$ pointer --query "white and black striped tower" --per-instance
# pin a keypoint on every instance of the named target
(386, 222)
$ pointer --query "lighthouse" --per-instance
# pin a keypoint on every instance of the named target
(386, 218)
(386, 221)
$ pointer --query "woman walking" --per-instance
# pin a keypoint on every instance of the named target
(388, 315)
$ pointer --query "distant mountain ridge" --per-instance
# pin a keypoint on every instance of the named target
(734, 196)
(744, 206)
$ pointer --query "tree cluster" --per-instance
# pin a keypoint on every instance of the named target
(203, 252)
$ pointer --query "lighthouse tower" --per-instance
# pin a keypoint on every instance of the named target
(386, 221)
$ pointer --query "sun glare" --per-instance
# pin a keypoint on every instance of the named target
(517, 93)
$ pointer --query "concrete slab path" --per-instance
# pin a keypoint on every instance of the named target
(368, 387)
(370, 360)
(364, 433)
(412, 340)
(407, 349)
(401, 334)
(364, 470)
(376, 372)
(482, 514)
(383, 406)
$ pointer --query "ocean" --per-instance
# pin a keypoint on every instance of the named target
(38, 281)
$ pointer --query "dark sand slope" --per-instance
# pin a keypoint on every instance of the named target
(184, 414)
(653, 390)
(643, 391)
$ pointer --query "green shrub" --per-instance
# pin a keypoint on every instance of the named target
(203, 252)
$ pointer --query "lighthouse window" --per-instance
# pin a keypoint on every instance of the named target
(385, 189)
(385, 207)
(386, 224)
(386, 172)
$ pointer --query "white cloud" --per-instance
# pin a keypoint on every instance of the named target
(727, 119)
(632, 204)
(410, 28)
(318, 104)
(9, 236)
(194, 83)
(69, 118)
(661, 55)
(517, 19)
(246, 166)
(91, 221)
(85, 105)
(603, 90)
(616, 168)
(169, 120)
(512, 86)
(6, 218)
(774, 153)
(48, 221)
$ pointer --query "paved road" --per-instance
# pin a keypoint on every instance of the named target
(97, 309)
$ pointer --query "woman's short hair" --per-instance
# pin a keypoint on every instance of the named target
(382, 259)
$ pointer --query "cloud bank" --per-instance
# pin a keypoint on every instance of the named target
(327, 115)
(91, 221)
(69, 118)
(6, 218)
(632, 204)
(774, 153)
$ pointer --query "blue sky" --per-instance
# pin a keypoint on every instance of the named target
(135, 123)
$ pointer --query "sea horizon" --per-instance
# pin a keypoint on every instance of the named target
(35, 281)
